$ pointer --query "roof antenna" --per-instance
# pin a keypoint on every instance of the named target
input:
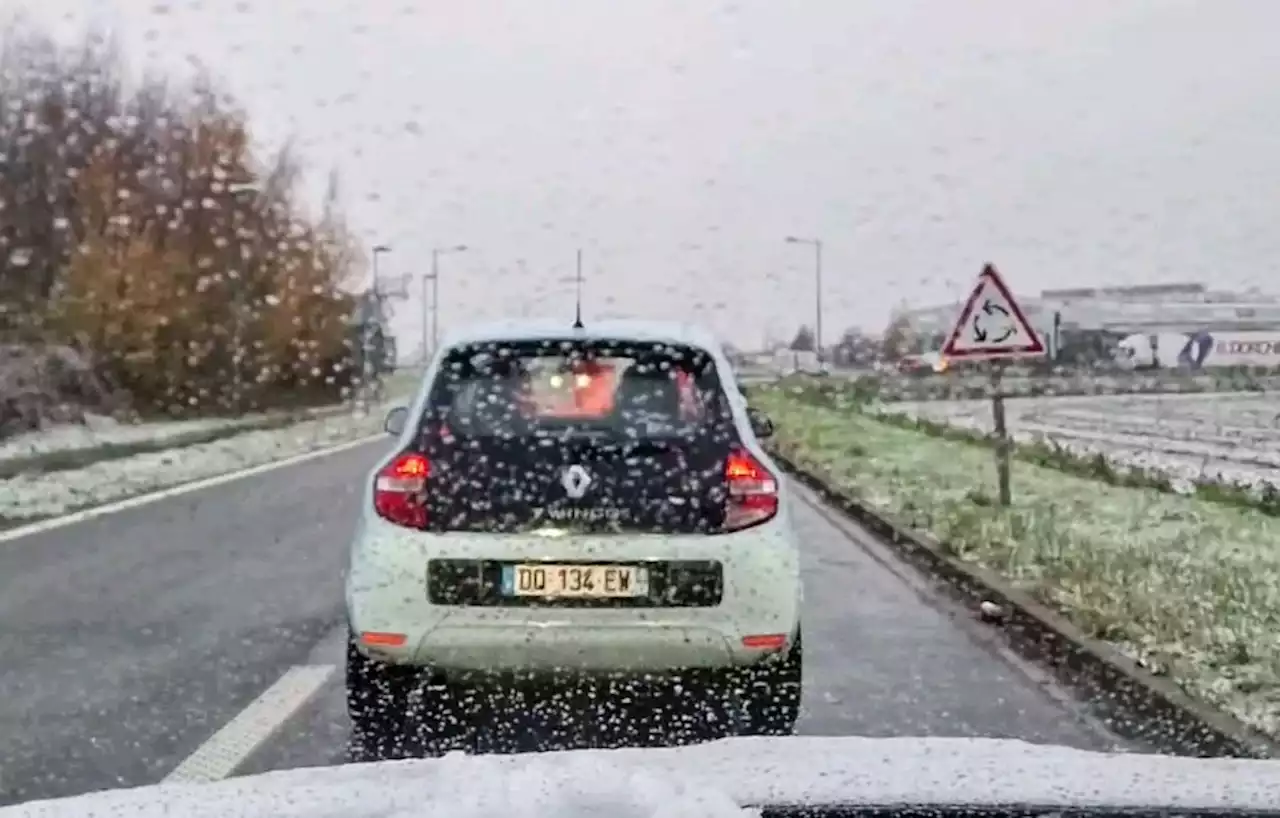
(577, 306)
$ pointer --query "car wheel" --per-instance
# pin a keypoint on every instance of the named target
(771, 694)
(377, 702)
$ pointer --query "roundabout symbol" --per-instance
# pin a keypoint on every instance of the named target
(982, 328)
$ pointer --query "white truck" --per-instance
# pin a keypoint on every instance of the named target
(1202, 349)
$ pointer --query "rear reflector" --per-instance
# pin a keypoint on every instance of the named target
(383, 640)
(398, 490)
(753, 492)
(765, 641)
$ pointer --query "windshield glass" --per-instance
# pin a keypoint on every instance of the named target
(604, 390)
(790, 396)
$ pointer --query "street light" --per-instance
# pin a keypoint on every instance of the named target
(366, 336)
(817, 275)
(434, 278)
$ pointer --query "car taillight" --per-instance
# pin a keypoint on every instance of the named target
(398, 491)
(753, 492)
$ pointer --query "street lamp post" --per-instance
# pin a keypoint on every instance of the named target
(432, 306)
(816, 244)
(378, 249)
(366, 335)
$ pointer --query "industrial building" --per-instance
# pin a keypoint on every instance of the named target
(1159, 308)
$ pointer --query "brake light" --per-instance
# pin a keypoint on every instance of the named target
(753, 492)
(398, 490)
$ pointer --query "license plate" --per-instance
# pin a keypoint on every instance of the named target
(575, 581)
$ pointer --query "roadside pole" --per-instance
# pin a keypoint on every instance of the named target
(992, 327)
(1001, 431)
(372, 315)
(366, 367)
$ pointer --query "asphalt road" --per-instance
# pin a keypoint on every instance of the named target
(127, 641)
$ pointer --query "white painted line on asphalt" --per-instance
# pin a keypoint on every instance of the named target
(228, 748)
(184, 488)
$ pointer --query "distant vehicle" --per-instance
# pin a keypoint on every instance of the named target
(1199, 350)
(589, 550)
(928, 362)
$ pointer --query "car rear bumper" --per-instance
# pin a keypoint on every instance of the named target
(466, 646)
(387, 596)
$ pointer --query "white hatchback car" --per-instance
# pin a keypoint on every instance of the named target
(585, 501)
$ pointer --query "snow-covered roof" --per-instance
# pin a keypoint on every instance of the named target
(631, 329)
(712, 780)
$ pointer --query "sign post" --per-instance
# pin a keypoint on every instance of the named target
(992, 327)
(1055, 338)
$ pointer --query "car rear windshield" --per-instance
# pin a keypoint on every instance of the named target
(616, 390)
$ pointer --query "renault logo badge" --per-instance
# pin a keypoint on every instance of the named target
(576, 480)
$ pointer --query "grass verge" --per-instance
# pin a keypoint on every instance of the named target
(1190, 590)
(35, 497)
(80, 457)
(1097, 466)
(959, 385)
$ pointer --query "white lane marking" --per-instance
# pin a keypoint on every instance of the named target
(228, 748)
(174, 491)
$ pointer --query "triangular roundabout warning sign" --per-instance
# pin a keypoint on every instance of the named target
(992, 325)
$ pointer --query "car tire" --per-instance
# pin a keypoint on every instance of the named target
(771, 693)
(377, 703)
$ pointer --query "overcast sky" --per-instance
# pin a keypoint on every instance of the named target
(1071, 142)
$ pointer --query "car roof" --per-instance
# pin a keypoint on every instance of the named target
(627, 329)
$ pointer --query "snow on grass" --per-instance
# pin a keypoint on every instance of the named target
(33, 496)
(1229, 438)
(102, 431)
(1189, 588)
(958, 385)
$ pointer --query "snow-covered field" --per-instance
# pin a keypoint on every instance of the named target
(1232, 437)
(33, 496)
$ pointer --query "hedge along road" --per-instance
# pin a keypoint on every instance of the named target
(133, 639)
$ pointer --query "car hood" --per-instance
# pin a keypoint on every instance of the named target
(712, 780)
